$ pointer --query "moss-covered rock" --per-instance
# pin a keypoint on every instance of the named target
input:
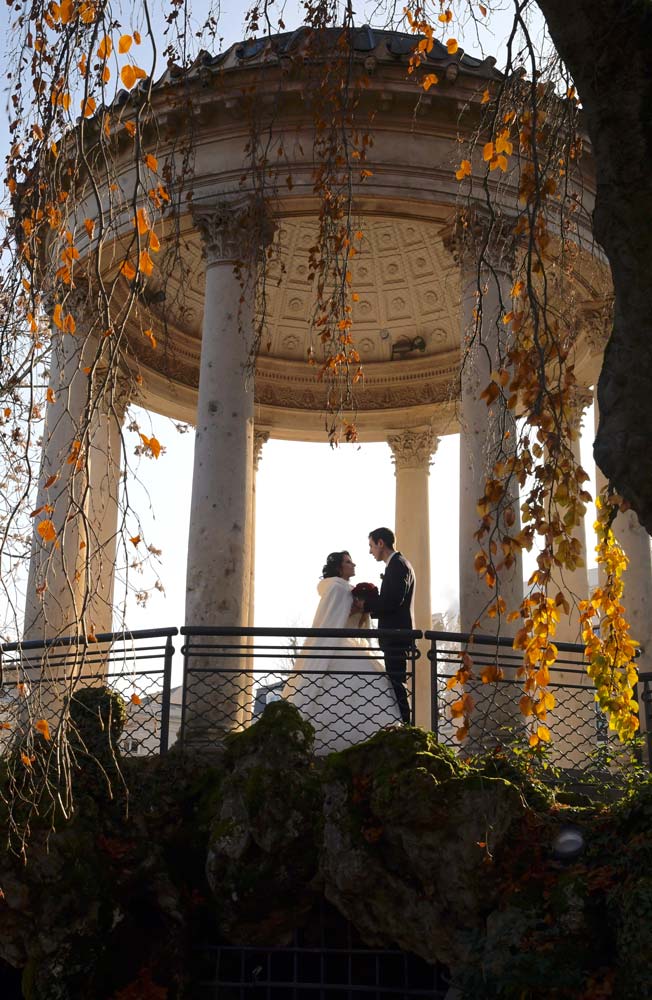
(263, 846)
(407, 837)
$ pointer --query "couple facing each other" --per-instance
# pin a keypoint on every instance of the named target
(338, 683)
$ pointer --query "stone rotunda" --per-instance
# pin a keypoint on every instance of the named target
(416, 291)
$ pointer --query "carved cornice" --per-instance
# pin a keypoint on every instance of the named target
(413, 449)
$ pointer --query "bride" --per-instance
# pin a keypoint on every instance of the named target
(338, 683)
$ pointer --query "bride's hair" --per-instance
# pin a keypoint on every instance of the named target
(333, 564)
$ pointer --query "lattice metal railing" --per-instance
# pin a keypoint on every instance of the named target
(37, 678)
(338, 684)
(580, 737)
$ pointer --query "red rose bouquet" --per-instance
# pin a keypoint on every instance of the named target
(359, 592)
(362, 590)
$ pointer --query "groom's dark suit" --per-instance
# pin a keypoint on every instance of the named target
(393, 609)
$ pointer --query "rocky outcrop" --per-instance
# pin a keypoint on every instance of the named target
(263, 844)
(452, 860)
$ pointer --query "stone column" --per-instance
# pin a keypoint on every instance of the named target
(105, 450)
(219, 544)
(574, 583)
(260, 439)
(486, 432)
(485, 254)
(412, 454)
(56, 581)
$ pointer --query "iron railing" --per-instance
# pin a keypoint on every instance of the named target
(36, 678)
(325, 959)
(339, 685)
(229, 674)
(580, 736)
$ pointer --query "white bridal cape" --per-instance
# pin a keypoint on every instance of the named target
(339, 684)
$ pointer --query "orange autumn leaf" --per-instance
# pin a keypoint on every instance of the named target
(128, 269)
(89, 226)
(105, 48)
(43, 728)
(128, 76)
(135, 540)
(145, 262)
(131, 128)
(124, 44)
(106, 74)
(135, 699)
(154, 242)
(445, 17)
(51, 480)
(49, 395)
(137, 37)
(27, 761)
(488, 151)
(452, 46)
(485, 97)
(88, 107)
(141, 222)
(430, 80)
(69, 325)
(150, 336)
(151, 162)
(57, 316)
(46, 530)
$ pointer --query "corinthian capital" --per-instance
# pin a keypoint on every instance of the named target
(234, 231)
(413, 449)
(260, 440)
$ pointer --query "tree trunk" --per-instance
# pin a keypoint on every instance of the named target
(607, 47)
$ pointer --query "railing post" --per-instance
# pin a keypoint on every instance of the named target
(165, 697)
(434, 686)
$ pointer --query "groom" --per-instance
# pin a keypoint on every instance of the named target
(393, 609)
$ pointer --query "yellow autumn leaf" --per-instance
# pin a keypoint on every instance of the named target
(46, 530)
(488, 151)
(43, 728)
(124, 43)
(464, 170)
(543, 734)
(429, 81)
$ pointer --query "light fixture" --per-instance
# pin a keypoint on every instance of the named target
(569, 843)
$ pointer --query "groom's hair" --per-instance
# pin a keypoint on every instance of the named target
(386, 534)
